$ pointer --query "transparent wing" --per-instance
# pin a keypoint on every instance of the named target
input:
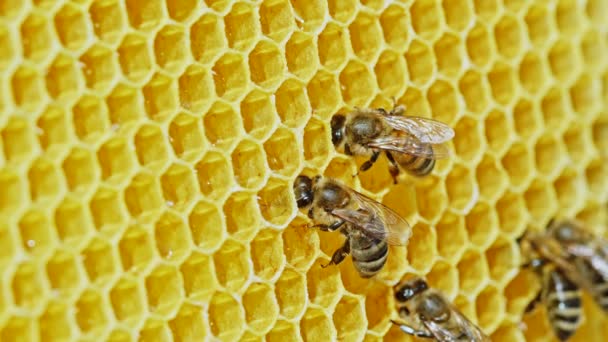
(408, 144)
(454, 329)
(376, 220)
(426, 130)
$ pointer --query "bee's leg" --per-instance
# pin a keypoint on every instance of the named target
(533, 303)
(330, 227)
(393, 167)
(369, 163)
(411, 331)
(339, 254)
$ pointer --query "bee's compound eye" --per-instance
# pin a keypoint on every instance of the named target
(337, 128)
(302, 187)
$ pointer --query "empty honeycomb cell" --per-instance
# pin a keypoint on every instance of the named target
(316, 326)
(357, 83)
(108, 19)
(430, 198)
(426, 18)
(154, 330)
(549, 155)
(555, 110)
(261, 308)
(266, 65)
(301, 55)
(458, 14)
(595, 10)
(451, 236)
(512, 215)
(91, 316)
(443, 277)
(600, 135)
(520, 291)
(189, 324)
(64, 275)
(53, 128)
(241, 26)
(211, 172)
(527, 119)
(143, 196)
(13, 195)
(160, 96)
(134, 56)
(577, 144)
(491, 178)
(232, 268)
(482, 225)
(540, 201)
(242, 215)
(18, 329)
(479, 45)
(487, 9)
(585, 95)
(284, 331)
(275, 201)
(468, 141)
(519, 165)
(473, 271)
(508, 36)
(474, 90)
(71, 27)
(353, 327)
(324, 92)
(462, 190)
(179, 185)
(115, 160)
(490, 306)
(28, 287)
(79, 169)
(420, 62)
(55, 323)
(198, 275)
(595, 176)
(267, 254)
(127, 302)
(324, 284)
(107, 210)
(27, 88)
(342, 11)
(145, 15)
(333, 46)
(300, 245)
(276, 19)
(444, 102)
(258, 114)
(207, 39)
(90, 118)
(290, 293)
(226, 317)
(422, 248)
(378, 303)
(502, 258)
(291, 103)
(170, 48)
(123, 105)
(230, 75)
(62, 81)
(390, 72)
(18, 140)
(38, 44)
(164, 290)
(222, 125)
(135, 249)
(100, 262)
(172, 238)
(568, 17)
(186, 136)
(36, 233)
(532, 73)
(502, 83)
(342, 168)
(449, 55)
(593, 48)
(206, 226)
(317, 150)
(365, 36)
(8, 53)
(195, 88)
(248, 164)
(44, 180)
(72, 223)
(563, 60)
(395, 25)
(539, 24)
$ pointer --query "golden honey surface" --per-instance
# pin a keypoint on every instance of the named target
(148, 150)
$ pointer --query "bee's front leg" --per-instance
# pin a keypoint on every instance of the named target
(340, 254)
(369, 163)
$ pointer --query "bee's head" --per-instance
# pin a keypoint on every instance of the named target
(408, 290)
(338, 122)
(304, 193)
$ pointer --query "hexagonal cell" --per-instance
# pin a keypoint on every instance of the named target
(585, 95)
(532, 73)
(549, 155)
(154, 330)
(242, 215)
(90, 118)
(108, 20)
(71, 27)
(186, 136)
(502, 83)
(503, 259)
(18, 140)
(324, 92)
(468, 141)
(462, 189)
(430, 198)
(420, 62)
(134, 57)
(449, 55)
(232, 265)
(444, 102)
(482, 225)
(333, 47)
(211, 172)
(181, 11)
(62, 80)
(526, 119)
(241, 26)
(458, 14)
(19, 329)
(28, 287)
(63, 274)
(519, 165)
(230, 75)
(38, 30)
(390, 71)
(151, 147)
(310, 15)
(266, 65)
(479, 45)
(91, 315)
(490, 307)
(564, 61)
(55, 323)
(207, 39)
(276, 202)
(198, 273)
(512, 213)
(487, 9)
(317, 148)
(539, 23)
(491, 178)
(124, 105)
(267, 254)
(206, 226)
(600, 135)
(365, 36)
(324, 284)
(426, 18)
(357, 84)
(595, 175)
(160, 97)
(226, 316)
(222, 125)
(342, 11)
(100, 262)
(99, 67)
(72, 223)
(443, 277)
(284, 331)
(7, 56)
(555, 110)
(248, 164)
(473, 271)
(282, 153)
(172, 238)
(568, 17)
(300, 245)
(422, 248)
(145, 15)
(378, 302)
(593, 48)
(36, 233)
(509, 37)
(578, 144)
(170, 48)
(44, 180)
(261, 309)
(27, 88)
(541, 201)
(115, 160)
(595, 10)
(520, 291)
(291, 103)
(316, 326)
(143, 196)
(301, 55)
(290, 292)
(179, 185)
(276, 19)
(349, 319)
(395, 24)
(164, 290)
(127, 301)
(195, 89)
(108, 210)
(136, 249)
(14, 192)
(258, 113)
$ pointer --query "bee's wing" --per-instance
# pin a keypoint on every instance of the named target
(455, 328)
(408, 144)
(426, 130)
(376, 220)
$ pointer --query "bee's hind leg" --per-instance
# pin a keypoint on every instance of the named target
(369, 163)
(340, 254)
(532, 305)
(393, 167)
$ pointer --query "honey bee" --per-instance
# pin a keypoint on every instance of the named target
(409, 142)
(369, 226)
(425, 312)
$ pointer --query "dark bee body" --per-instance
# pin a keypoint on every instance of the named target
(427, 313)
(415, 165)
(369, 226)
(562, 299)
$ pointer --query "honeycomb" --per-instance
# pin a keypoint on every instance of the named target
(148, 149)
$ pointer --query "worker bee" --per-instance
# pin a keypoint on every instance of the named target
(409, 142)
(369, 226)
(425, 312)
